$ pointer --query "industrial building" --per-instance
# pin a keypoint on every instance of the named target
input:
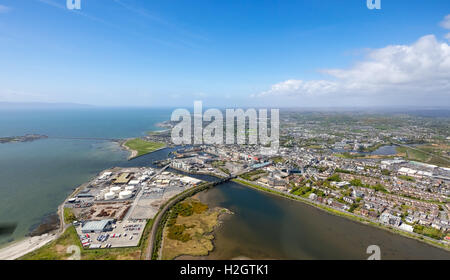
(97, 226)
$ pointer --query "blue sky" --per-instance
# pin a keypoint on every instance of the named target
(226, 53)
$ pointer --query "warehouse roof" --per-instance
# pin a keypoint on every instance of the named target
(96, 225)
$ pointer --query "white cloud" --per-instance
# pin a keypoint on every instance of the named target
(414, 73)
(296, 87)
(447, 36)
(417, 71)
(4, 9)
(446, 22)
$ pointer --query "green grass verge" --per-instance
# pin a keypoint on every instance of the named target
(143, 147)
(69, 216)
(422, 156)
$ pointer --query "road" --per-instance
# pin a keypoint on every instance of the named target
(175, 200)
(157, 221)
(141, 192)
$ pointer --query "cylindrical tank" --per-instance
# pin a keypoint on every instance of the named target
(129, 188)
(110, 195)
(125, 194)
(115, 189)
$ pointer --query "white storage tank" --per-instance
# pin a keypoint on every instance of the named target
(125, 195)
(115, 189)
(110, 195)
(129, 188)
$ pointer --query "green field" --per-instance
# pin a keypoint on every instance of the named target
(143, 147)
(424, 154)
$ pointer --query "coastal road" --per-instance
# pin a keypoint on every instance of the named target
(158, 218)
(175, 200)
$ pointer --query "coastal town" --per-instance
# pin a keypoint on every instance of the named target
(407, 195)
(394, 177)
(225, 139)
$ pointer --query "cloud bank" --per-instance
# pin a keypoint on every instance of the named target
(418, 71)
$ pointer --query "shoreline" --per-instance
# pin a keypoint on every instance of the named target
(134, 153)
(27, 244)
(21, 247)
(349, 216)
(223, 214)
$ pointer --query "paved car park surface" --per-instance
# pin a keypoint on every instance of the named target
(123, 234)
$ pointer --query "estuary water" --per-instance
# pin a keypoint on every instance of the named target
(35, 177)
(265, 226)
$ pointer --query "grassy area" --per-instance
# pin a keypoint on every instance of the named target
(69, 216)
(57, 250)
(348, 155)
(429, 231)
(165, 216)
(413, 154)
(254, 175)
(316, 147)
(278, 160)
(427, 154)
(406, 178)
(188, 229)
(218, 163)
(143, 147)
(225, 170)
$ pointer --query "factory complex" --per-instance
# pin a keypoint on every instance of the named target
(113, 209)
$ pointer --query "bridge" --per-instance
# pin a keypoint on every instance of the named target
(161, 216)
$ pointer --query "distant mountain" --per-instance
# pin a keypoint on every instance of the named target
(39, 105)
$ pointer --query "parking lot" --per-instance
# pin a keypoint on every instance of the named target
(124, 234)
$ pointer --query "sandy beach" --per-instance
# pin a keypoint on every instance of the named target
(133, 154)
(25, 246)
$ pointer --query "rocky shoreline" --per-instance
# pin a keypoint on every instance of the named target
(48, 224)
